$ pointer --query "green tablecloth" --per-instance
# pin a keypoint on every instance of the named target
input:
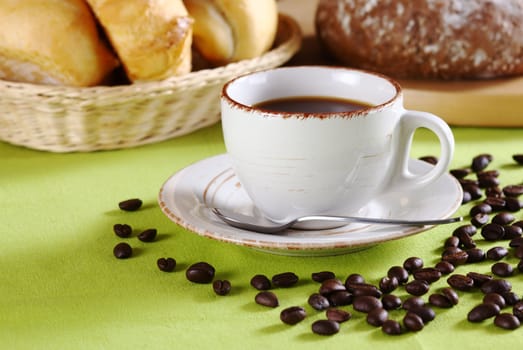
(62, 288)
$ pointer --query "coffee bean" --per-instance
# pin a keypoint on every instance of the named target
(503, 218)
(166, 264)
(330, 286)
(496, 203)
(511, 298)
(518, 252)
(513, 204)
(497, 253)
(148, 235)
(429, 159)
(200, 272)
(440, 300)
(338, 315)
(130, 204)
(507, 321)
(502, 269)
(517, 310)
(479, 220)
(366, 303)
(293, 315)
(412, 264)
(260, 282)
(513, 190)
(512, 231)
(122, 250)
(479, 278)
(466, 241)
(360, 289)
(445, 267)
(318, 302)
(391, 302)
(322, 276)
(494, 192)
(325, 327)
(488, 181)
(221, 287)
(388, 284)
(122, 230)
(469, 230)
(457, 258)
(426, 313)
(412, 302)
(475, 255)
(427, 274)
(401, 274)
(413, 322)
(483, 311)
(391, 327)
(376, 317)
(417, 287)
(495, 298)
(516, 242)
(472, 190)
(499, 286)
(481, 208)
(266, 298)
(340, 298)
(492, 232)
(452, 241)
(520, 266)
(451, 295)
(518, 158)
(460, 173)
(285, 279)
(460, 282)
(480, 162)
(354, 278)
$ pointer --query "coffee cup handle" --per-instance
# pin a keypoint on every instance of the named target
(411, 121)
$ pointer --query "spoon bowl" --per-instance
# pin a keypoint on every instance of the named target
(264, 225)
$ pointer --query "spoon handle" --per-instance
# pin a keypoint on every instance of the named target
(348, 219)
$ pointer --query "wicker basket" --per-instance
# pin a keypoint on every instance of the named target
(68, 119)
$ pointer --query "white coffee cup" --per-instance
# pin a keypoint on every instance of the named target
(294, 164)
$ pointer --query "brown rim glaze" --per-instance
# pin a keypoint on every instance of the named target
(319, 115)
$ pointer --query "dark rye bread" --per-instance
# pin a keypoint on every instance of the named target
(425, 39)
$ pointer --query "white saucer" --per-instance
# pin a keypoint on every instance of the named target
(185, 197)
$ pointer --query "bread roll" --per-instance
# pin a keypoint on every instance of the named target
(231, 30)
(151, 37)
(53, 42)
(436, 39)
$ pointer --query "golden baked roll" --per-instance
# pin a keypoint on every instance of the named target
(436, 39)
(151, 37)
(52, 42)
(231, 30)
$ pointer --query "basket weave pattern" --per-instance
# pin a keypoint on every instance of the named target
(69, 119)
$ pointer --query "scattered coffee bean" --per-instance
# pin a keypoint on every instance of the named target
(495, 298)
(512, 231)
(479, 278)
(412, 302)
(440, 300)
(412, 264)
(469, 230)
(445, 267)
(513, 204)
(360, 289)
(497, 253)
(520, 266)
(426, 313)
(267, 298)
(480, 219)
(451, 295)
(466, 241)
(460, 282)
(293, 315)
(503, 218)
(354, 278)
(517, 310)
(285, 279)
(221, 287)
(166, 264)
(417, 287)
(391, 302)
(460, 173)
(492, 232)
(401, 274)
(376, 317)
(475, 255)
(502, 269)
(200, 272)
(481, 208)
(516, 242)
(507, 321)
(122, 230)
(388, 284)
(429, 159)
(472, 190)
(148, 235)
(366, 303)
(318, 302)
(511, 298)
(338, 315)
(452, 241)
(513, 190)
(499, 286)
(322, 276)
(122, 250)
(488, 181)
(391, 327)
(494, 192)
(459, 257)
(518, 158)
(260, 282)
(483, 311)
(325, 327)
(496, 203)
(340, 298)
(427, 274)
(330, 286)
(480, 162)
(413, 322)
(130, 204)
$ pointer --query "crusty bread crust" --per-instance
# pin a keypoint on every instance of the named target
(426, 39)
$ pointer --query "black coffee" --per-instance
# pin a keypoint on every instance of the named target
(312, 104)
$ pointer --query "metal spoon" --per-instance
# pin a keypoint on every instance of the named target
(264, 225)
